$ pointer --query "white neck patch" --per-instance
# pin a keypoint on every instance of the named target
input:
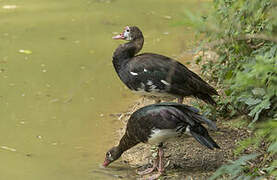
(127, 34)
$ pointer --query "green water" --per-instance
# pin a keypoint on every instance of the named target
(58, 87)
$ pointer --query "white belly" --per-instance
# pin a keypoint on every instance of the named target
(161, 135)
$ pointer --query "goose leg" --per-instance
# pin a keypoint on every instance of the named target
(149, 170)
(161, 155)
(160, 167)
(158, 164)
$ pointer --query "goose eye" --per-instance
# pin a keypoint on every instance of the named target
(109, 154)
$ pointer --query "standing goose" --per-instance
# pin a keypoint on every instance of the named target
(155, 75)
(156, 123)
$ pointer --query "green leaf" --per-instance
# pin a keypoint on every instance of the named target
(258, 109)
(234, 169)
(258, 91)
(272, 147)
(252, 101)
(270, 168)
(229, 75)
(228, 92)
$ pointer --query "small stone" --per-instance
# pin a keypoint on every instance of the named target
(9, 6)
(168, 17)
(24, 51)
(62, 38)
(54, 100)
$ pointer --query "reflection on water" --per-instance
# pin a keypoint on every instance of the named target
(58, 86)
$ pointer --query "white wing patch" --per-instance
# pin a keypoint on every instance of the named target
(166, 83)
(153, 88)
(149, 83)
(188, 131)
(133, 73)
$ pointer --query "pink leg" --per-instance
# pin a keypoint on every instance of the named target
(161, 155)
(180, 100)
(160, 168)
(149, 170)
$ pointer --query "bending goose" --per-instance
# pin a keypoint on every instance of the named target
(156, 123)
(155, 75)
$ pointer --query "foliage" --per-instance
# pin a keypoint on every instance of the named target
(243, 168)
(243, 34)
(235, 168)
(246, 67)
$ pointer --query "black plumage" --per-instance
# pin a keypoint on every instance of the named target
(156, 75)
(156, 123)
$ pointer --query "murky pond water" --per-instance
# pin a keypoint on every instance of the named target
(57, 84)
